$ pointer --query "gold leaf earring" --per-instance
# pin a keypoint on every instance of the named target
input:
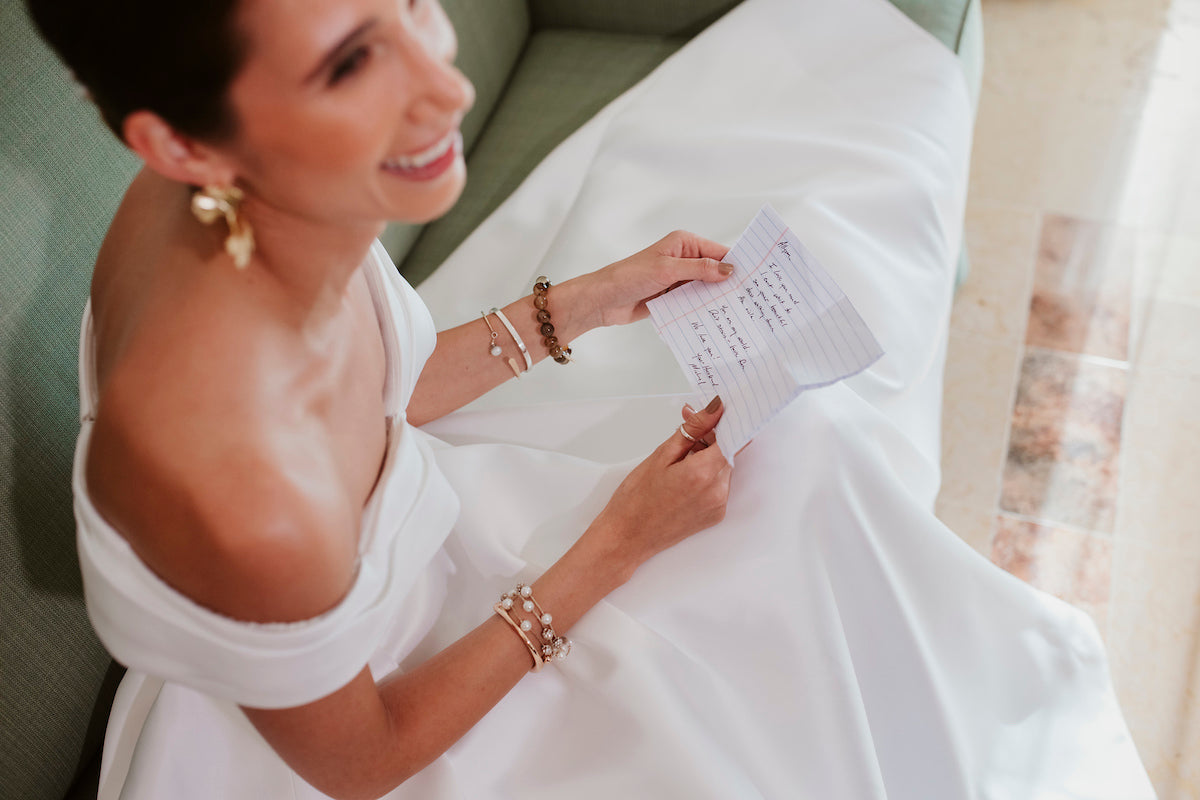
(215, 202)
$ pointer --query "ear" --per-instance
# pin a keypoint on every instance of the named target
(173, 155)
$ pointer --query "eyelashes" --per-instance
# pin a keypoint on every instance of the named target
(352, 63)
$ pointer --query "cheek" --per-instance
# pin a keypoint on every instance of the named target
(334, 141)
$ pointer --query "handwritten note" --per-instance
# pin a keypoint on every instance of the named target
(775, 328)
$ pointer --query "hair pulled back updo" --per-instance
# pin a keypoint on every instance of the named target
(176, 59)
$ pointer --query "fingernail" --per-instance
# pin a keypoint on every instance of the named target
(726, 269)
(688, 408)
(713, 405)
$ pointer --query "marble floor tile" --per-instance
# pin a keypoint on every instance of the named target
(1064, 441)
(972, 525)
(1082, 285)
(993, 300)
(1159, 486)
(979, 380)
(1154, 654)
(1074, 566)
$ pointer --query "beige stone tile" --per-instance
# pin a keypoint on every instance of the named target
(973, 525)
(1011, 134)
(1154, 651)
(1071, 50)
(1074, 566)
(980, 376)
(993, 301)
(1159, 488)
(1062, 155)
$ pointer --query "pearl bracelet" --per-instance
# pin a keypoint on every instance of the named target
(553, 646)
(495, 348)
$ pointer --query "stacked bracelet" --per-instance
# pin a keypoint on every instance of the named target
(495, 349)
(516, 337)
(540, 301)
(552, 646)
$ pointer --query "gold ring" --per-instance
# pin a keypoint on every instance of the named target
(686, 435)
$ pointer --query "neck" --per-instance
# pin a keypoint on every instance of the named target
(312, 262)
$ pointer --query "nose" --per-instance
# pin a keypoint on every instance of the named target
(440, 88)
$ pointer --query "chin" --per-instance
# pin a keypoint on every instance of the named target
(433, 205)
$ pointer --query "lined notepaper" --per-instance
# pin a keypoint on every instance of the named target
(775, 328)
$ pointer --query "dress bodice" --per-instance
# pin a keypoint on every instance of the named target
(148, 625)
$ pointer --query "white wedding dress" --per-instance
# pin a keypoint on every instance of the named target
(829, 639)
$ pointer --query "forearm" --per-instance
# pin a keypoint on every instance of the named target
(366, 739)
(462, 368)
(433, 706)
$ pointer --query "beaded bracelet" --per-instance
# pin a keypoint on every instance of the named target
(540, 301)
(553, 646)
(495, 349)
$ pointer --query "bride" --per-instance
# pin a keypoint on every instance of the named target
(316, 597)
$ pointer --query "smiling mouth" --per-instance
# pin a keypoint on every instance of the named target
(415, 163)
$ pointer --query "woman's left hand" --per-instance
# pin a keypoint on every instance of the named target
(618, 292)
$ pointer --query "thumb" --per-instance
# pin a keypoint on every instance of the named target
(695, 427)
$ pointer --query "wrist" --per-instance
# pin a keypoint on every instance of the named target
(573, 307)
(609, 554)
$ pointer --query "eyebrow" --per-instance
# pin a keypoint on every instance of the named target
(335, 52)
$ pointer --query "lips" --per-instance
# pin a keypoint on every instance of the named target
(428, 163)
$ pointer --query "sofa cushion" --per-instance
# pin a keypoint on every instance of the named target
(63, 174)
(944, 19)
(658, 17)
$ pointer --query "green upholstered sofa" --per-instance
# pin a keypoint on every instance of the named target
(541, 68)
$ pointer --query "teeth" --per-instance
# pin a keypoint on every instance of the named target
(424, 157)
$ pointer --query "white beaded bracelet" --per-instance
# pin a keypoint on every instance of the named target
(554, 647)
(516, 337)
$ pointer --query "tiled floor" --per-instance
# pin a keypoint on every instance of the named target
(1072, 420)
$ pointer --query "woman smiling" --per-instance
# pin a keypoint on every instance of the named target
(264, 527)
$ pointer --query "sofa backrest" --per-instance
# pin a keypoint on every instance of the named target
(61, 175)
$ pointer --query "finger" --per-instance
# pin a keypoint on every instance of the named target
(711, 270)
(700, 424)
(689, 245)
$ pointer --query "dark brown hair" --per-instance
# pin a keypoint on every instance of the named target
(176, 59)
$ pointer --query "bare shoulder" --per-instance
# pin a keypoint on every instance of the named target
(201, 455)
(245, 520)
(244, 516)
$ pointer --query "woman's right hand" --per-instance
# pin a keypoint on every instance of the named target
(680, 489)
